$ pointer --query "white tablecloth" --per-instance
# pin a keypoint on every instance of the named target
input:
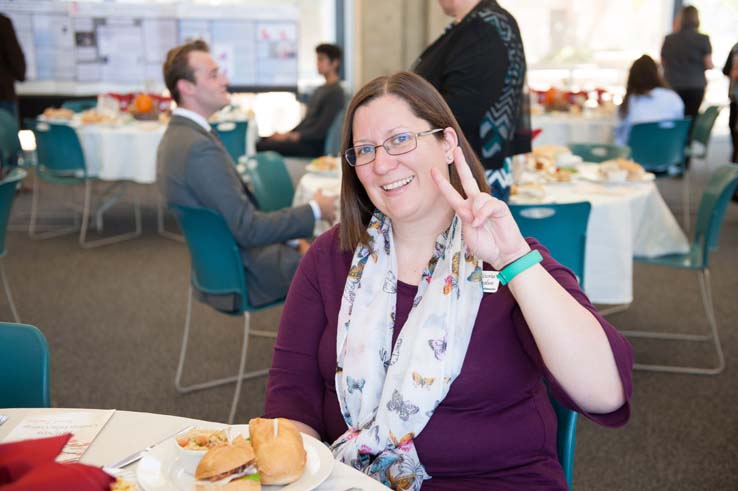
(626, 220)
(563, 129)
(128, 152)
(128, 432)
(308, 184)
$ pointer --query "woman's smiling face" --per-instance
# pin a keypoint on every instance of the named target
(400, 186)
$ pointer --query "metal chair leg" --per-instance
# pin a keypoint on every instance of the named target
(86, 212)
(8, 294)
(238, 378)
(615, 309)
(686, 212)
(32, 232)
(160, 223)
(706, 292)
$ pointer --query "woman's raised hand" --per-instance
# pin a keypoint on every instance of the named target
(490, 231)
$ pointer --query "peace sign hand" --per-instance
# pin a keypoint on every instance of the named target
(490, 232)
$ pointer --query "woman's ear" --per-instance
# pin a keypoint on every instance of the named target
(450, 142)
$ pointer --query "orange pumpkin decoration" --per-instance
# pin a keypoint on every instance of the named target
(143, 103)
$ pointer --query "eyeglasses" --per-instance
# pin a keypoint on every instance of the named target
(398, 144)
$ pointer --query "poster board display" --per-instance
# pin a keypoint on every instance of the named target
(80, 47)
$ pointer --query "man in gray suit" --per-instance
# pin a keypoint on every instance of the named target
(194, 169)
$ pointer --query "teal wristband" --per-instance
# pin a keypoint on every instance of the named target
(516, 267)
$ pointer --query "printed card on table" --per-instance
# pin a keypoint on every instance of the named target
(84, 425)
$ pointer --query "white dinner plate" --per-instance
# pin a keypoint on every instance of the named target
(161, 470)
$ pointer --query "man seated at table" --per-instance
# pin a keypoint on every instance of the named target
(307, 139)
(194, 169)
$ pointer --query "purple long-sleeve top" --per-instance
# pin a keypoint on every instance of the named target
(496, 428)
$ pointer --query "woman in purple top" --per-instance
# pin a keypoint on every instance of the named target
(402, 346)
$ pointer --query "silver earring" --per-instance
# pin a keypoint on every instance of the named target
(449, 159)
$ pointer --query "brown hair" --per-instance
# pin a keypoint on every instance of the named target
(643, 77)
(177, 65)
(689, 18)
(425, 103)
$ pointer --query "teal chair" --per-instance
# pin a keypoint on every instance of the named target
(561, 228)
(24, 363)
(80, 105)
(271, 182)
(660, 147)
(217, 269)
(8, 187)
(599, 152)
(565, 437)
(10, 147)
(233, 136)
(715, 198)
(61, 161)
(701, 132)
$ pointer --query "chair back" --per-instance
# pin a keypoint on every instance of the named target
(24, 361)
(333, 137)
(80, 105)
(659, 145)
(599, 152)
(233, 136)
(562, 228)
(9, 143)
(565, 437)
(715, 198)
(7, 195)
(58, 149)
(217, 267)
(273, 188)
(702, 128)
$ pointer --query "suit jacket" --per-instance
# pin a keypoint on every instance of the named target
(12, 61)
(194, 169)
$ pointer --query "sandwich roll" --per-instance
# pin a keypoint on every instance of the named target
(225, 460)
(280, 454)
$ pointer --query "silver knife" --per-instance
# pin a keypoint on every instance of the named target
(136, 456)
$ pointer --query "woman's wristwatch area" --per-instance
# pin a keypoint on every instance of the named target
(506, 274)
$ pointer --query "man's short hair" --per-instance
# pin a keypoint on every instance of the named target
(177, 65)
(332, 51)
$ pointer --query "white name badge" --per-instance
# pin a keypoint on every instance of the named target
(490, 282)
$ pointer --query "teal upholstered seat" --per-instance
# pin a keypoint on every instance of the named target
(271, 182)
(233, 136)
(24, 363)
(561, 228)
(61, 161)
(715, 198)
(217, 269)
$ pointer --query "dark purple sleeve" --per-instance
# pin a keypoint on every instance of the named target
(295, 388)
(621, 349)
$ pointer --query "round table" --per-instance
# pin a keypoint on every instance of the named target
(627, 219)
(127, 432)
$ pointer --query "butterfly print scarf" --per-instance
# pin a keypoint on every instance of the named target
(388, 395)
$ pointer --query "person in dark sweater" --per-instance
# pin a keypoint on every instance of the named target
(478, 65)
(685, 55)
(397, 345)
(307, 139)
(12, 66)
